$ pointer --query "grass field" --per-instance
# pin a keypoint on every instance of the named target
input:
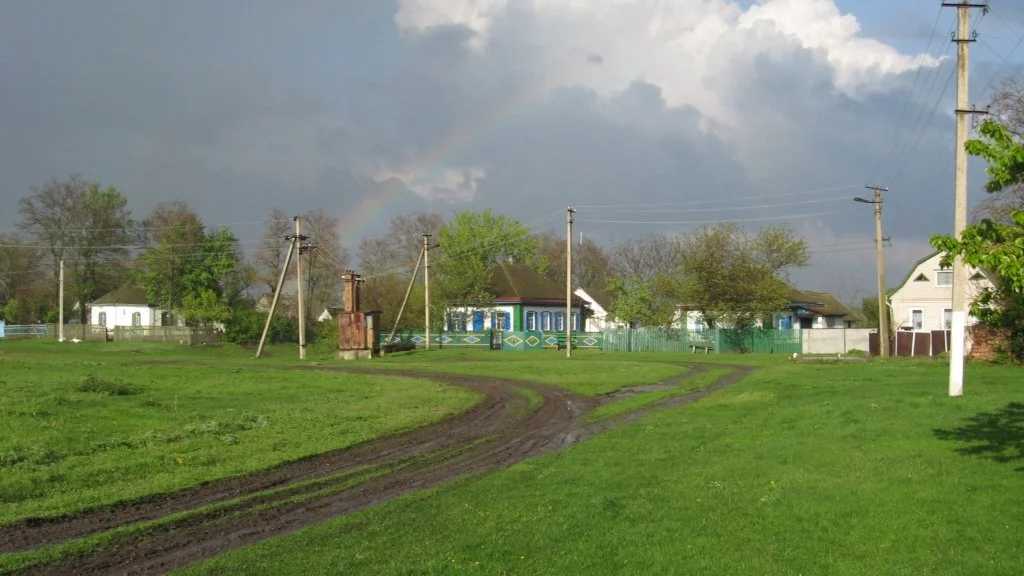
(96, 423)
(800, 469)
(92, 424)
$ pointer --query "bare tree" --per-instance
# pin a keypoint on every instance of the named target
(591, 264)
(88, 226)
(646, 257)
(324, 271)
(388, 261)
(270, 256)
(1008, 108)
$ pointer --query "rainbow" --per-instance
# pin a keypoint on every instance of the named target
(354, 223)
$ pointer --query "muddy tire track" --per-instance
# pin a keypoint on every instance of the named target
(491, 435)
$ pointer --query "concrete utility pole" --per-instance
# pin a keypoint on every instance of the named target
(408, 291)
(60, 305)
(568, 281)
(298, 287)
(426, 289)
(277, 293)
(883, 309)
(963, 38)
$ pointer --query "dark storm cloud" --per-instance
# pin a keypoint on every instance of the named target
(303, 105)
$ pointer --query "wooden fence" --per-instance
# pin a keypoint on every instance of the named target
(168, 334)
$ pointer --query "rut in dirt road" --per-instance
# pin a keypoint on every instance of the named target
(492, 435)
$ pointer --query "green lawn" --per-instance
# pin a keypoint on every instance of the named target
(94, 423)
(803, 468)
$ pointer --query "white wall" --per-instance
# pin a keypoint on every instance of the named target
(598, 321)
(508, 310)
(837, 341)
(929, 297)
(122, 315)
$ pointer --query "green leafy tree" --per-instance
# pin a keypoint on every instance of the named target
(185, 268)
(471, 245)
(736, 279)
(996, 246)
(644, 302)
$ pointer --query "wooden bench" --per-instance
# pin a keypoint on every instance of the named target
(561, 342)
(705, 346)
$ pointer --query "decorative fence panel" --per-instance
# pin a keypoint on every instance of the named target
(640, 340)
(24, 331)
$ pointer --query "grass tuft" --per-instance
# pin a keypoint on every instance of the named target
(98, 385)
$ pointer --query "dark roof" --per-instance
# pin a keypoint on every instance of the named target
(129, 293)
(601, 297)
(821, 303)
(514, 282)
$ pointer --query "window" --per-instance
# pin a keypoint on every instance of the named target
(575, 321)
(944, 278)
(947, 318)
(560, 321)
(103, 318)
(545, 321)
(457, 322)
(921, 278)
(500, 322)
(917, 319)
(531, 321)
(136, 319)
(785, 322)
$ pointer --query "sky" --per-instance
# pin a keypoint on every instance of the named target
(648, 116)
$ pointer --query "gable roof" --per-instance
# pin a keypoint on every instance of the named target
(515, 281)
(600, 297)
(910, 272)
(821, 303)
(127, 294)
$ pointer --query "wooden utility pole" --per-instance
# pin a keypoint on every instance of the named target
(60, 305)
(426, 289)
(277, 294)
(408, 291)
(568, 281)
(298, 288)
(963, 38)
(883, 307)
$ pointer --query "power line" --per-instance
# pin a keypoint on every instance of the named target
(764, 219)
(143, 228)
(729, 209)
(699, 202)
(906, 103)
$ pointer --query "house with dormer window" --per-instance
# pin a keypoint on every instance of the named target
(923, 302)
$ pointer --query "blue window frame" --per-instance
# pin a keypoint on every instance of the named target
(531, 321)
(560, 321)
(545, 321)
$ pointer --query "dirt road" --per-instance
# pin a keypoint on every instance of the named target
(211, 519)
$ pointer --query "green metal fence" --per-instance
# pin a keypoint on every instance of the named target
(640, 340)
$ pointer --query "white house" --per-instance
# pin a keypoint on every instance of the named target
(523, 301)
(127, 306)
(806, 310)
(598, 320)
(924, 301)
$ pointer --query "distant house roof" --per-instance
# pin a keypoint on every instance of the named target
(820, 303)
(129, 294)
(601, 297)
(514, 282)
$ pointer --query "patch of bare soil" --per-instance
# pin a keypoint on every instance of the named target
(491, 435)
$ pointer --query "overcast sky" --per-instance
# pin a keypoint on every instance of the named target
(647, 115)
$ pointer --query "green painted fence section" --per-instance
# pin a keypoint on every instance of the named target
(641, 340)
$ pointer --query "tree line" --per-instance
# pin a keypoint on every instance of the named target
(200, 275)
